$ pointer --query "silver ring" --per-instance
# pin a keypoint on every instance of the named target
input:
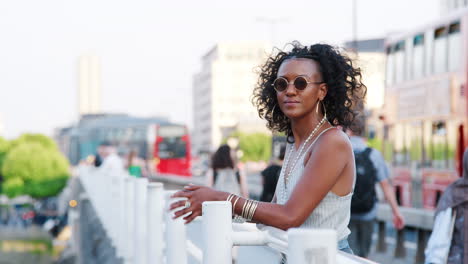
(187, 204)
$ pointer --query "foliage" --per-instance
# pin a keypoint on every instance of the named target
(45, 188)
(13, 187)
(4, 146)
(254, 146)
(375, 143)
(43, 140)
(38, 164)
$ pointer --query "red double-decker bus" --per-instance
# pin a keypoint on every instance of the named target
(425, 109)
(172, 150)
(164, 145)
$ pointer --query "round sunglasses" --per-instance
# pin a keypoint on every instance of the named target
(300, 83)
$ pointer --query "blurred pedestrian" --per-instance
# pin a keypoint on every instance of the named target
(224, 175)
(370, 169)
(304, 92)
(135, 165)
(110, 160)
(449, 239)
(270, 176)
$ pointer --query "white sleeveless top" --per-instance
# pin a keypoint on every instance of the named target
(332, 212)
(226, 181)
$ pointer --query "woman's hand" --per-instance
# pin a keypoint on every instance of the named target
(196, 195)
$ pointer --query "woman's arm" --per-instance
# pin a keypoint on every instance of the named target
(322, 172)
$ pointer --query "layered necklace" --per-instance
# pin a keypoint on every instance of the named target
(301, 148)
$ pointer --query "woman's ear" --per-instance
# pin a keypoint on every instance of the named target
(323, 90)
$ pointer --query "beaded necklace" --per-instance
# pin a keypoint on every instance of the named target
(301, 148)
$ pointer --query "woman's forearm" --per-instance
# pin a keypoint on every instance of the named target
(270, 214)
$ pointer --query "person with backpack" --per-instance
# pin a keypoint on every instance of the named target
(370, 169)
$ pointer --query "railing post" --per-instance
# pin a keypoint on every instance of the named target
(129, 224)
(121, 215)
(175, 236)
(155, 209)
(422, 240)
(400, 250)
(140, 220)
(381, 244)
(217, 233)
(312, 246)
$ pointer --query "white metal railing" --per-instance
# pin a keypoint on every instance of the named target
(134, 214)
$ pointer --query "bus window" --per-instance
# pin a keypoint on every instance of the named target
(415, 138)
(400, 61)
(454, 47)
(418, 57)
(390, 68)
(439, 151)
(440, 50)
(172, 148)
(400, 146)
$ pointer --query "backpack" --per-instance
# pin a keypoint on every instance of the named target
(364, 196)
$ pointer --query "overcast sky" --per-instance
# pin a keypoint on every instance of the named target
(150, 50)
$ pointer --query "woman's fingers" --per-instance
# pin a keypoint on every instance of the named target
(181, 194)
(192, 216)
(183, 212)
(177, 204)
(191, 187)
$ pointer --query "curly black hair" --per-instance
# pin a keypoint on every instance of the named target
(344, 98)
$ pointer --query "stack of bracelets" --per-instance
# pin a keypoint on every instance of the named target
(248, 209)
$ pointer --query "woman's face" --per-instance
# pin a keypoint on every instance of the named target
(295, 103)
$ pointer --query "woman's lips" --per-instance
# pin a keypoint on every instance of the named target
(290, 103)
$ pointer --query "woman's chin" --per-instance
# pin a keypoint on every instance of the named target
(292, 114)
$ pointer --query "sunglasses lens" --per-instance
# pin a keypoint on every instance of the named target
(300, 83)
(280, 84)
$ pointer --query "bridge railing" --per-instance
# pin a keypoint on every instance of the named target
(420, 220)
(134, 215)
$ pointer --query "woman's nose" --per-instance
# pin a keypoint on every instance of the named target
(290, 89)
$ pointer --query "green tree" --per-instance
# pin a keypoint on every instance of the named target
(41, 139)
(13, 187)
(4, 146)
(254, 146)
(44, 170)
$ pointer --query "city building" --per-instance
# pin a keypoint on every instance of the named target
(222, 92)
(449, 6)
(370, 57)
(89, 85)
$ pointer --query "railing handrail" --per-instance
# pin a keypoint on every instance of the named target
(414, 217)
(143, 244)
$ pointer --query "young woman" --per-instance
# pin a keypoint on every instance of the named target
(306, 93)
(224, 175)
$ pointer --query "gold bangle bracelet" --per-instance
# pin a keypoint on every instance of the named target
(243, 208)
(234, 205)
(250, 211)
(253, 209)
(247, 209)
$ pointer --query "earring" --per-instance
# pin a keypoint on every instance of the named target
(273, 110)
(324, 110)
(320, 102)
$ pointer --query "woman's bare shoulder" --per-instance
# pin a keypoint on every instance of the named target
(335, 139)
